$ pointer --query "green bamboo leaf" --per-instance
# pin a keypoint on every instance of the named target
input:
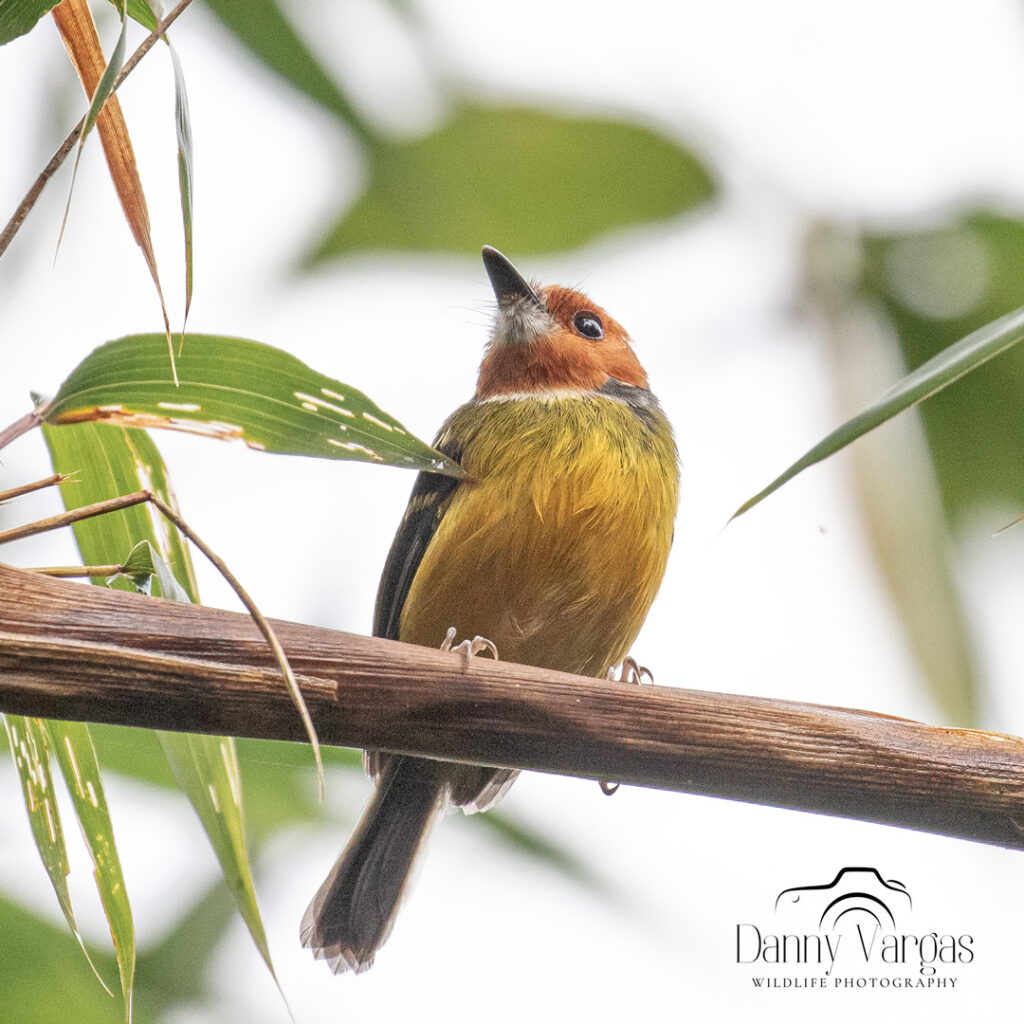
(45, 978)
(937, 284)
(206, 768)
(183, 130)
(948, 366)
(20, 16)
(527, 180)
(143, 565)
(77, 759)
(233, 388)
(265, 30)
(30, 747)
(140, 11)
(106, 463)
(114, 461)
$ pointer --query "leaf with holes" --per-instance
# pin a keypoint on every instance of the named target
(30, 747)
(233, 388)
(110, 462)
(76, 756)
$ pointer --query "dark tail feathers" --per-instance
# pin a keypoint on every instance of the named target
(352, 914)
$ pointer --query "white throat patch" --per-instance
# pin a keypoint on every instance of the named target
(520, 321)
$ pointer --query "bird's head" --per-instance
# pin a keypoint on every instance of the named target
(550, 339)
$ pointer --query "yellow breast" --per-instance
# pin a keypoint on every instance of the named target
(557, 547)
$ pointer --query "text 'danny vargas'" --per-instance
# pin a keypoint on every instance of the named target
(850, 933)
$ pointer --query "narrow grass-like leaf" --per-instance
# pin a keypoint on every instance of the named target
(528, 180)
(140, 11)
(30, 747)
(233, 388)
(183, 129)
(20, 16)
(206, 768)
(264, 28)
(78, 30)
(119, 461)
(948, 366)
(76, 756)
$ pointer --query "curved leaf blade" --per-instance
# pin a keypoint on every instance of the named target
(76, 756)
(20, 16)
(206, 768)
(527, 180)
(234, 388)
(112, 462)
(140, 11)
(183, 130)
(265, 30)
(948, 366)
(30, 747)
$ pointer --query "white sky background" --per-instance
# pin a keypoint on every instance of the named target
(844, 110)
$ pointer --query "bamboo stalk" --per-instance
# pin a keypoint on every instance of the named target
(69, 651)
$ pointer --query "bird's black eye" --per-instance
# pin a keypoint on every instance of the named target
(588, 324)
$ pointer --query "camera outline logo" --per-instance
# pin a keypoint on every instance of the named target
(853, 891)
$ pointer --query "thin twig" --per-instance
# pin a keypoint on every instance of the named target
(142, 497)
(74, 572)
(38, 485)
(65, 148)
(23, 425)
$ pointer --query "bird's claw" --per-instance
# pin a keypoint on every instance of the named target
(630, 671)
(470, 648)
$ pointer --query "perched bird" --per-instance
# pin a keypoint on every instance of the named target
(552, 548)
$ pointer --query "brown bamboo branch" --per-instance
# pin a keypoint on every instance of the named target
(70, 651)
(25, 423)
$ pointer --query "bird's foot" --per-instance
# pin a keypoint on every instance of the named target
(630, 671)
(470, 648)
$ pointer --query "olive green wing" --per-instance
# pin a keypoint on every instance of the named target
(431, 496)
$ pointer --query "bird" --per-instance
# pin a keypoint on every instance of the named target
(548, 552)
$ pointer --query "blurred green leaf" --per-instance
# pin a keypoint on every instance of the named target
(262, 27)
(176, 972)
(30, 745)
(140, 11)
(940, 285)
(44, 978)
(233, 388)
(19, 16)
(941, 370)
(525, 180)
(77, 759)
(114, 461)
(535, 845)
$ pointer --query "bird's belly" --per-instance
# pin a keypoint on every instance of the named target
(557, 569)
